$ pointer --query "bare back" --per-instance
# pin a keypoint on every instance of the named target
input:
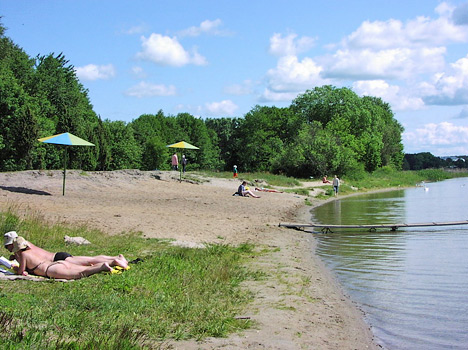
(35, 258)
(40, 253)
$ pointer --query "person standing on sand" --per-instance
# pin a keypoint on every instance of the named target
(183, 161)
(336, 184)
(234, 171)
(175, 162)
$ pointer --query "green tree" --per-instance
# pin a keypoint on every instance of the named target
(125, 153)
(364, 126)
(155, 154)
(194, 130)
(315, 152)
(18, 110)
(264, 132)
(65, 103)
(226, 133)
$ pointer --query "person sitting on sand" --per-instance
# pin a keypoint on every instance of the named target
(325, 180)
(119, 260)
(243, 191)
(31, 262)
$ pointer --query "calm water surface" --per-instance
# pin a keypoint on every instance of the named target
(412, 283)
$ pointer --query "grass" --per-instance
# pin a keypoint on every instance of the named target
(175, 293)
(270, 179)
(387, 177)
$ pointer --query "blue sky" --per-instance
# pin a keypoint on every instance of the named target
(221, 58)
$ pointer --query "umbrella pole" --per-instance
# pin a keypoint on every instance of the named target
(180, 170)
(64, 171)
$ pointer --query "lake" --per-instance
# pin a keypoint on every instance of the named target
(411, 283)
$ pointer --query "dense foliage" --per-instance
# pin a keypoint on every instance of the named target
(326, 130)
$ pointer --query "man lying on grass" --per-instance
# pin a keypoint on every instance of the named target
(40, 262)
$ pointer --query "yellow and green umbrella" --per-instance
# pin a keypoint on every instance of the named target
(65, 139)
(182, 144)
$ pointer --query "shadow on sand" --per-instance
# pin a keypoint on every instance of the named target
(25, 190)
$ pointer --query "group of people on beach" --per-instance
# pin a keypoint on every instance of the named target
(335, 183)
(245, 191)
(175, 162)
(37, 261)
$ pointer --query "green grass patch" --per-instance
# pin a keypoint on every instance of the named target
(387, 177)
(175, 293)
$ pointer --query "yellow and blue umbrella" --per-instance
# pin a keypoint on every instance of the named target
(65, 139)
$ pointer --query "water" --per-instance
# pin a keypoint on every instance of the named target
(412, 283)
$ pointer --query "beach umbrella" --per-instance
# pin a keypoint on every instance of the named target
(182, 144)
(65, 139)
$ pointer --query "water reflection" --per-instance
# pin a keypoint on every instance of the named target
(384, 208)
(412, 283)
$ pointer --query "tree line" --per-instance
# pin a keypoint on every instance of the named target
(326, 130)
(426, 160)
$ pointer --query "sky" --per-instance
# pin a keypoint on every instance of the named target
(215, 58)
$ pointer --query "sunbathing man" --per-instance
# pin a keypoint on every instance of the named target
(30, 262)
(44, 255)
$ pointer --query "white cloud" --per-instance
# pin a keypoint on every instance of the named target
(205, 27)
(95, 72)
(393, 94)
(291, 75)
(223, 108)
(144, 89)
(450, 87)
(396, 63)
(394, 49)
(167, 51)
(273, 96)
(395, 57)
(421, 31)
(289, 45)
(444, 138)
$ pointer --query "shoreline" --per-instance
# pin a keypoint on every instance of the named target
(298, 305)
(357, 314)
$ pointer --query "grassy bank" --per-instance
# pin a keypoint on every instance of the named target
(175, 293)
(387, 178)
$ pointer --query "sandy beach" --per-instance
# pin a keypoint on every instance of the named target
(298, 306)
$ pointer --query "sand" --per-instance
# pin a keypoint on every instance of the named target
(298, 306)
